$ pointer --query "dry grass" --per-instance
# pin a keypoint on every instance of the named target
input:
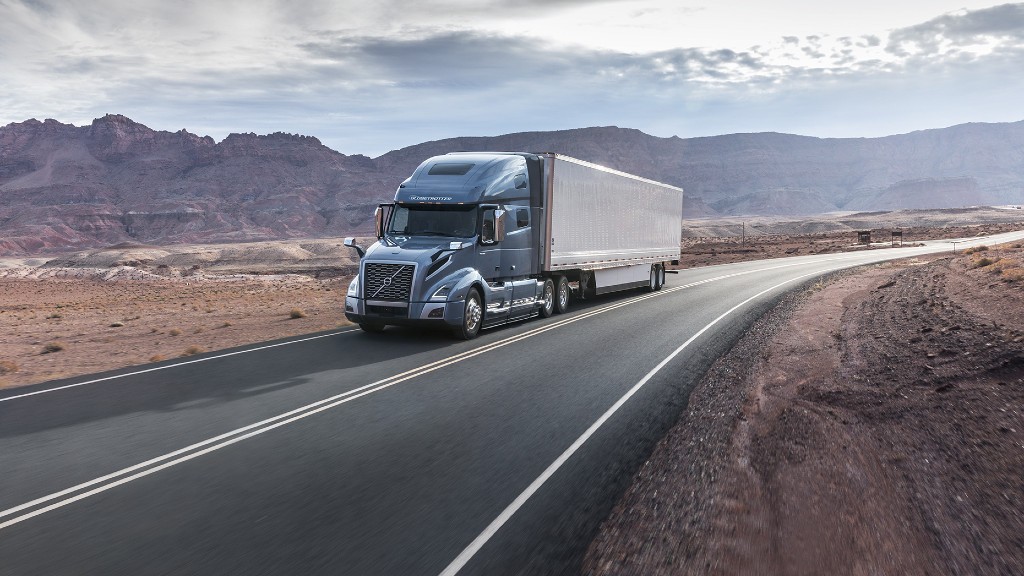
(54, 346)
(296, 313)
(192, 351)
(174, 332)
(976, 249)
(7, 367)
(157, 358)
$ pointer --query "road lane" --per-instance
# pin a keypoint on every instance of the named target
(396, 482)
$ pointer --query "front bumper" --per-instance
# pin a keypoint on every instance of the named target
(398, 314)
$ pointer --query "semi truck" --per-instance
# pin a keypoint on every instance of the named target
(479, 239)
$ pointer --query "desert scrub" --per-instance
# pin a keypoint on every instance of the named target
(983, 262)
(157, 358)
(975, 249)
(7, 367)
(192, 351)
(174, 332)
(296, 313)
(54, 346)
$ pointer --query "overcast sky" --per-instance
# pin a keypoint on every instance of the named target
(368, 77)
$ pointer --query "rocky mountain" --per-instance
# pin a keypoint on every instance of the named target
(66, 187)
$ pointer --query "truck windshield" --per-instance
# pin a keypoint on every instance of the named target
(434, 220)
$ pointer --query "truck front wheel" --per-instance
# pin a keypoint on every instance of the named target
(472, 316)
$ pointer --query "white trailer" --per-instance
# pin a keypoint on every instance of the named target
(615, 227)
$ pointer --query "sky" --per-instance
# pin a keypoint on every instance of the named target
(369, 77)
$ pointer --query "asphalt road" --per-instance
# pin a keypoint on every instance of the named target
(397, 453)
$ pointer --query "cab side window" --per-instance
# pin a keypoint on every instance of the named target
(522, 217)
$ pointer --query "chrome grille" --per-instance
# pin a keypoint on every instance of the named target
(388, 281)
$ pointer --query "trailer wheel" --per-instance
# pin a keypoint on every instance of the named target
(549, 299)
(659, 277)
(371, 327)
(472, 316)
(562, 295)
(653, 284)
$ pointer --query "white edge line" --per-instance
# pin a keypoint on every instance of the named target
(357, 392)
(467, 554)
(296, 414)
(401, 377)
(116, 376)
(246, 351)
(843, 256)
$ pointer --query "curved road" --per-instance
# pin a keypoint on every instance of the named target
(350, 453)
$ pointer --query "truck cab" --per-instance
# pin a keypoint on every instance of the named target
(457, 248)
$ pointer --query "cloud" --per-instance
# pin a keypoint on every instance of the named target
(999, 27)
(260, 65)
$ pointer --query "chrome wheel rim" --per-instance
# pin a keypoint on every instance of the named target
(563, 295)
(549, 296)
(473, 313)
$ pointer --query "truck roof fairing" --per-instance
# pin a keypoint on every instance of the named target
(465, 178)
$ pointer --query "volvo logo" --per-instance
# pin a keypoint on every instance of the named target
(387, 281)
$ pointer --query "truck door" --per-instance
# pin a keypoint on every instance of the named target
(498, 293)
(517, 260)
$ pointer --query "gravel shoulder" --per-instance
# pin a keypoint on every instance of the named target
(871, 424)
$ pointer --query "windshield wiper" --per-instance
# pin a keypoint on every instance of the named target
(430, 233)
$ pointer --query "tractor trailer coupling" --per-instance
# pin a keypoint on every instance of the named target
(475, 240)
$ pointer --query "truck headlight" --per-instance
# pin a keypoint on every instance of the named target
(442, 292)
(353, 287)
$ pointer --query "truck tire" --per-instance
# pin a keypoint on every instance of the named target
(472, 316)
(653, 283)
(371, 327)
(561, 295)
(549, 299)
(659, 279)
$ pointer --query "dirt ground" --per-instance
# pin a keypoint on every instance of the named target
(873, 425)
(705, 251)
(57, 327)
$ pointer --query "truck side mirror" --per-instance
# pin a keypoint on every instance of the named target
(499, 225)
(351, 243)
(493, 227)
(378, 221)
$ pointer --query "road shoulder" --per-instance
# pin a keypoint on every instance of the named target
(870, 424)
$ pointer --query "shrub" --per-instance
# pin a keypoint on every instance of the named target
(116, 324)
(7, 367)
(55, 315)
(53, 347)
(296, 313)
(974, 249)
(983, 262)
(1013, 274)
(174, 332)
(157, 358)
(192, 350)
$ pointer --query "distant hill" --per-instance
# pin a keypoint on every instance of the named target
(64, 187)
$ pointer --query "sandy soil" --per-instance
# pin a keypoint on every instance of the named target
(871, 426)
(101, 324)
(705, 251)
